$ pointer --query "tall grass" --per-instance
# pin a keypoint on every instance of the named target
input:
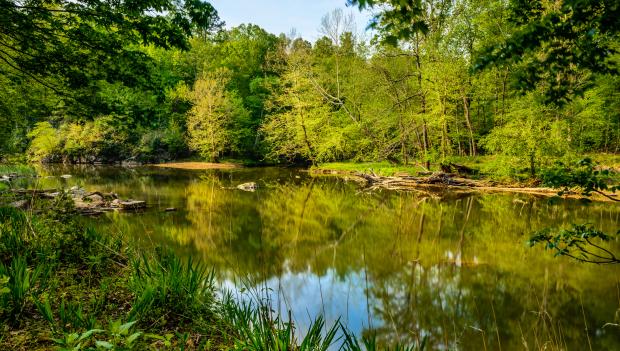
(166, 285)
(255, 327)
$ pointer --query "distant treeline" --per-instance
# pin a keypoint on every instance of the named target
(248, 94)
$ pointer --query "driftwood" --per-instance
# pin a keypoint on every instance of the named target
(441, 185)
(440, 178)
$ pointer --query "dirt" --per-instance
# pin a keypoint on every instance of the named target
(197, 165)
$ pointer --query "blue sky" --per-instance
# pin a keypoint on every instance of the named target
(280, 16)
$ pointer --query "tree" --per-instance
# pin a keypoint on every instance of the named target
(45, 141)
(66, 37)
(556, 44)
(214, 110)
(300, 127)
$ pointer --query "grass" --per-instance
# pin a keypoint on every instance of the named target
(380, 168)
(67, 287)
(17, 169)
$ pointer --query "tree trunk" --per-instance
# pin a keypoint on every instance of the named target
(472, 141)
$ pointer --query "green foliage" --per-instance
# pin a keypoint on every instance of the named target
(580, 243)
(584, 175)
(414, 93)
(117, 336)
(558, 45)
(531, 134)
(167, 285)
(72, 41)
(214, 110)
(23, 284)
(45, 142)
(255, 328)
(161, 145)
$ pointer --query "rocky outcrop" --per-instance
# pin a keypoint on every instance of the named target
(88, 203)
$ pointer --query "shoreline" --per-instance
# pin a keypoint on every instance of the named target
(195, 165)
(439, 182)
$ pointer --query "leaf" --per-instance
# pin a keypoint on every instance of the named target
(89, 333)
(125, 327)
(104, 344)
(133, 337)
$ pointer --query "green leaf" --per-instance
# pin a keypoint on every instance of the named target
(104, 344)
(125, 327)
(89, 333)
(133, 337)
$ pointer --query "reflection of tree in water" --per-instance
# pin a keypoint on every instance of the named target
(456, 270)
(469, 309)
(458, 304)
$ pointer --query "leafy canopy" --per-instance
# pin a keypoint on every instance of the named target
(557, 43)
(67, 37)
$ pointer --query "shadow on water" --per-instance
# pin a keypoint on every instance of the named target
(455, 270)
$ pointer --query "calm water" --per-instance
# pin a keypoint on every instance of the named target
(454, 270)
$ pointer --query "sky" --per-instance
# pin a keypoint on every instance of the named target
(280, 16)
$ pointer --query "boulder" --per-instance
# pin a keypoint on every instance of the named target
(94, 198)
(251, 186)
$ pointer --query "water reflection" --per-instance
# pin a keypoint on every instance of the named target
(454, 270)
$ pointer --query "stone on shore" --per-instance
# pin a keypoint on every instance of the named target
(251, 186)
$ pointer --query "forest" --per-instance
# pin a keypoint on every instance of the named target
(77, 91)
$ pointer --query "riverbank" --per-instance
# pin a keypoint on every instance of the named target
(197, 165)
(457, 178)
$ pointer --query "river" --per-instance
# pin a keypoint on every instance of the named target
(454, 270)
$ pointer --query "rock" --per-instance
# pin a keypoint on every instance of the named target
(110, 196)
(95, 198)
(21, 204)
(66, 176)
(170, 209)
(131, 205)
(251, 186)
(78, 192)
(81, 205)
(50, 195)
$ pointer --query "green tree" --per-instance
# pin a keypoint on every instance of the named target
(213, 111)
